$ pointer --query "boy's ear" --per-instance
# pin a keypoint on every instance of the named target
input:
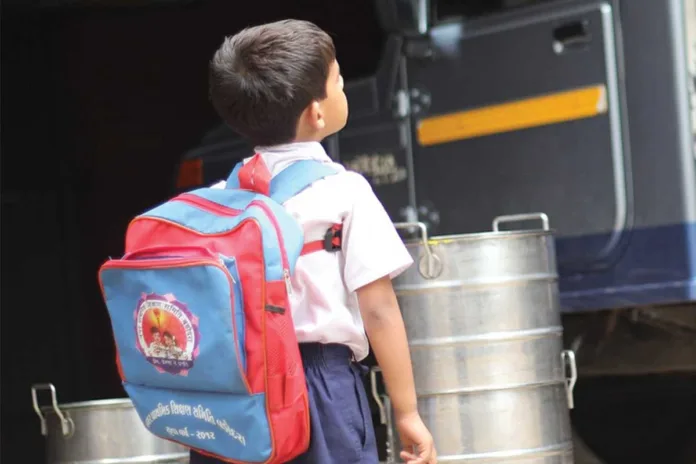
(315, 116)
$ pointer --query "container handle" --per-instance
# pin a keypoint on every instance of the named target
(431, 272)
(385, 416)
(66, 423)
(376, 395)
(568, 360)
(521, 217)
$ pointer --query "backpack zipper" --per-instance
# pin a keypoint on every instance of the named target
(281, 242)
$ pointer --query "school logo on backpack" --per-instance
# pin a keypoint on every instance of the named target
(167, 333)
(199, 308)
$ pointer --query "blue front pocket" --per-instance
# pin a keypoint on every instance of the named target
(178, 320)
(232, 426)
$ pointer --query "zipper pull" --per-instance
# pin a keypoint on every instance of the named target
(288, 285)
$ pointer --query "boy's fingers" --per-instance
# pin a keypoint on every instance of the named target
(409, 458)
(427, 456)
(433, 455)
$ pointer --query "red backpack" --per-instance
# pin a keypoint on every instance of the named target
(199, 310)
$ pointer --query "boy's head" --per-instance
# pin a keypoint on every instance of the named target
(278, 83)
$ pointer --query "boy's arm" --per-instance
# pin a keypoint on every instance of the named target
(374, 254)
(385, 329)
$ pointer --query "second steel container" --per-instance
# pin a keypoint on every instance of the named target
(483, 320)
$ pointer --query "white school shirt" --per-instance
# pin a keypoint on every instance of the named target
(323, 301)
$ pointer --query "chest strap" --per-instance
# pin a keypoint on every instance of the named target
(332, 241)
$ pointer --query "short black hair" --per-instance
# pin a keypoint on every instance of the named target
(262, 78)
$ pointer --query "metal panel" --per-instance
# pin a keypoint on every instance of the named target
(573, 169)
(381, 152)
(657, 265)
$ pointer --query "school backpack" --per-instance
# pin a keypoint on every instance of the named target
(206, 346)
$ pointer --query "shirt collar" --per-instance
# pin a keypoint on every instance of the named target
(278, 157)
(301, 150)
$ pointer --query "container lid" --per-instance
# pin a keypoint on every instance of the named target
(476, 236)
(495, 234)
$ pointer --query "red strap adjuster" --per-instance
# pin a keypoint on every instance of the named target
(332, 241)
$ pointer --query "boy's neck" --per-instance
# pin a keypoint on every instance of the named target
(308, 134)
(305, 139)
(292, 145)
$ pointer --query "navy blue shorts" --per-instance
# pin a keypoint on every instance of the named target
(342, 430)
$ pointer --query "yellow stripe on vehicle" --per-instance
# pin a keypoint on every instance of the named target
(568, 105)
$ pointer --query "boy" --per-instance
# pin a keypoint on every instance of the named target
(279, 86)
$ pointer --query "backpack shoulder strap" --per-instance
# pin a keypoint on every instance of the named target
(297, 177)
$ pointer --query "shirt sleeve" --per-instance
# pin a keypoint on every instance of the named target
(371, 246)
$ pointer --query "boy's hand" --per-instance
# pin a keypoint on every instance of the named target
(416, 440)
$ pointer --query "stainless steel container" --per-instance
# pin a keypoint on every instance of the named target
(482, 314)
(100, 432)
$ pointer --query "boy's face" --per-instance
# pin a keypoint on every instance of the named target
(328, 116)
(335, 105)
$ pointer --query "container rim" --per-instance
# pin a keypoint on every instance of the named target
(107, 403)
(490, 235)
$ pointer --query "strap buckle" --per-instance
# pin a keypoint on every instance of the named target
(333, 238)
